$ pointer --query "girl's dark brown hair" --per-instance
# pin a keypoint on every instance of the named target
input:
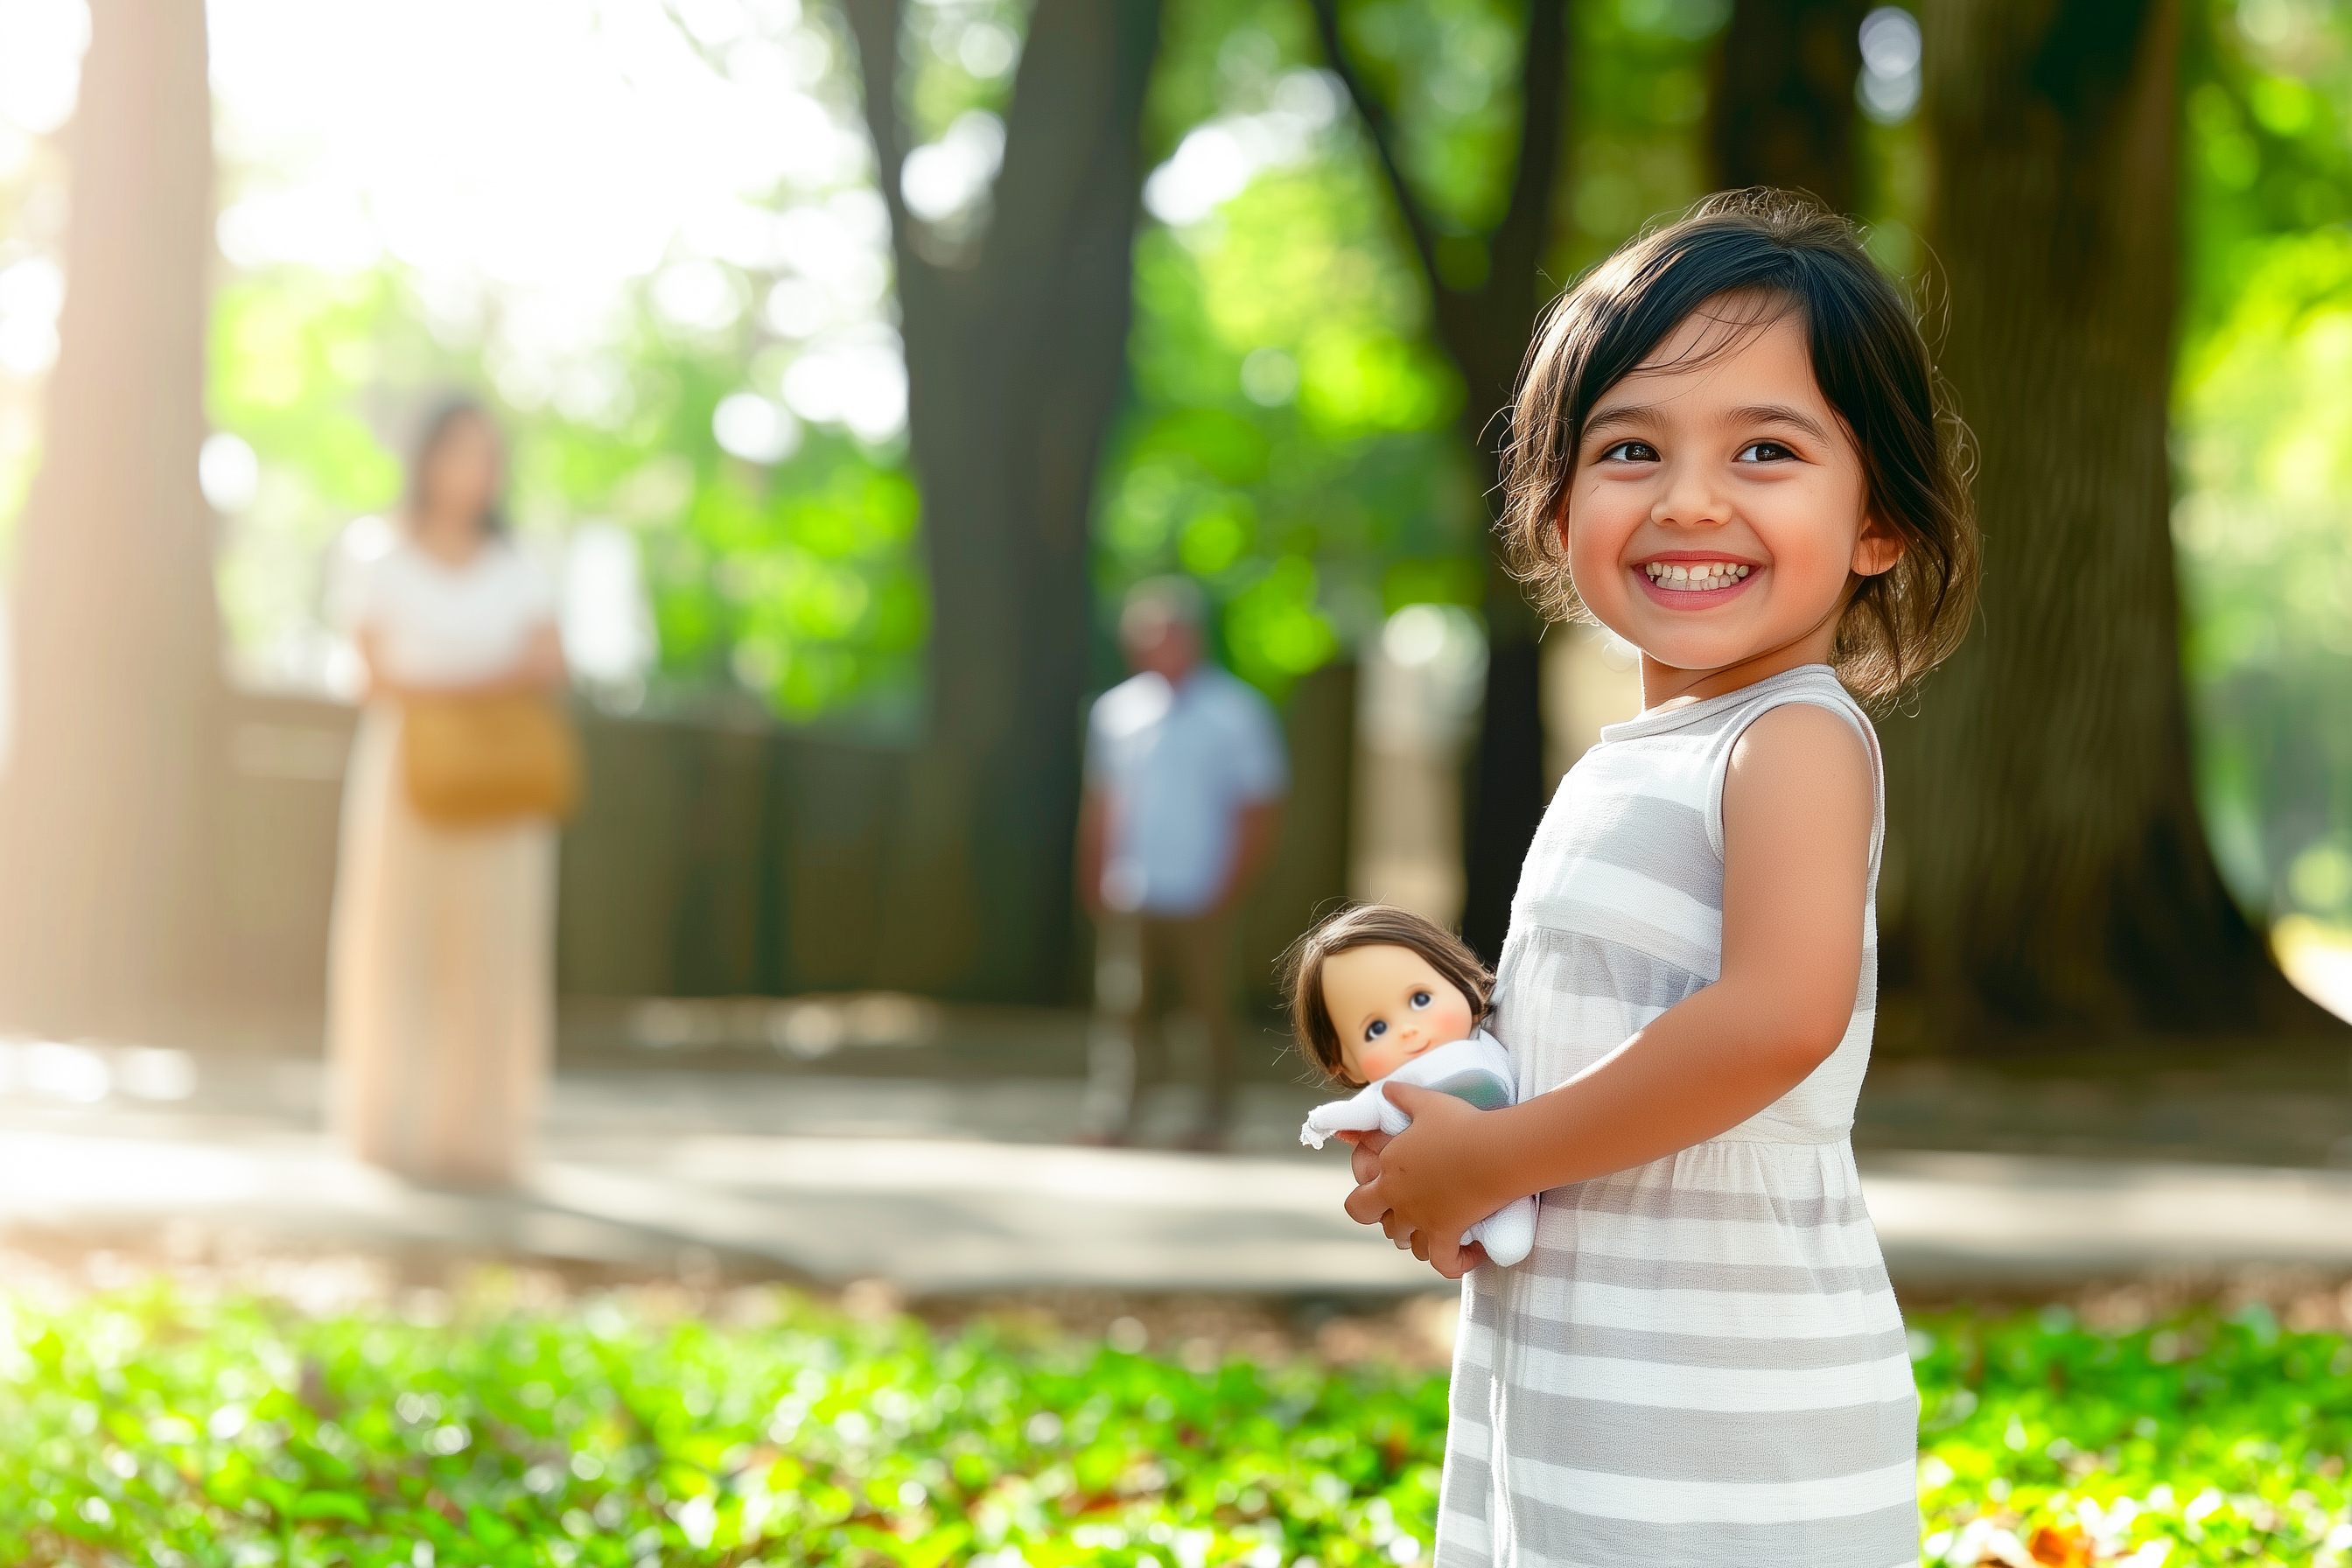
(1371, 925)
(1789, 255)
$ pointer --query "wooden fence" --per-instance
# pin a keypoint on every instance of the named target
(712, 862)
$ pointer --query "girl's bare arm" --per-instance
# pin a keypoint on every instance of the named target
(1797, 810)
(540, 668)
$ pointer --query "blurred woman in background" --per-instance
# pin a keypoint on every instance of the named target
(441, 984)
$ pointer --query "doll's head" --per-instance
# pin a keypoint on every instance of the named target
(1374, 987)
(1729, 437)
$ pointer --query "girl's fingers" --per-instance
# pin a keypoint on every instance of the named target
(1453, 1262)
(1409, 1097)
(1367, 1204)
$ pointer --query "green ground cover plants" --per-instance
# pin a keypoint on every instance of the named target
(148, 1427)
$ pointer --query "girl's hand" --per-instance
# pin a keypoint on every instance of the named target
(1422, 1192)
(1365, 1162)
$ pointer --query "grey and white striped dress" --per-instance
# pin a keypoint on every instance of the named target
(1701, 1362)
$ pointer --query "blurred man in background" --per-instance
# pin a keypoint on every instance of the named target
(1185, 778)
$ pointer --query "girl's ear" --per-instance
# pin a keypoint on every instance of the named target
(1878, 549)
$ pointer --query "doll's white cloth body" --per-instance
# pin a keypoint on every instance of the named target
(1477, 1069)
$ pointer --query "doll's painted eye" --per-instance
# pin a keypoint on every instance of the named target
(1376, 1028)
(1422, 999)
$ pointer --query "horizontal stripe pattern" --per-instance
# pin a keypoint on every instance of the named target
(1686, 1501)
(1747, 1447)
(1754, 1390)
(1574, 1539)
(1729, 1352)
(1575, 966)
(1701, 1362)
(1731, 1314)
(1722, 1279)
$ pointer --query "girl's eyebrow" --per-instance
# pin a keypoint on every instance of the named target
(1638, 413)
(1778, 414)
(1619, 414)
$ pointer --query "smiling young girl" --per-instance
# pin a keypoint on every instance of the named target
(1727, 449)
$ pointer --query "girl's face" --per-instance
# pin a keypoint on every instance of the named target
(1718, 509)
(1388, 1004)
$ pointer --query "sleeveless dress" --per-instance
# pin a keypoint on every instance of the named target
(1702, 1361)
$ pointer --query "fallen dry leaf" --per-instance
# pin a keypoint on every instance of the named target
(2061, 1546)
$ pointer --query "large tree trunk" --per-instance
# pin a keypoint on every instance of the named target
(1484, 327)
(2051, 881)
(1016, 357)
(103, 817)
(1782, 111)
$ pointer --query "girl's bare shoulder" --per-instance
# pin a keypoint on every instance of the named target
(1799, 763)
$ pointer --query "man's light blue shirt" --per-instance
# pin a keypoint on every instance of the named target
(1175, 767)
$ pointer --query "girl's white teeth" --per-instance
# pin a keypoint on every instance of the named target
(1695, 578)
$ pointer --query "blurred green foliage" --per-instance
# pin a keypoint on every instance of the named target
(1292, 436)
(150, 1427)
(2224, 1436)
(797, 582)
(2263, 443)
(1295, 435)
(959, 57)
(1641, 79)
(1290, 439)
(154, 1429)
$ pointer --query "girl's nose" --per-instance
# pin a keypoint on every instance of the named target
(1690, 500)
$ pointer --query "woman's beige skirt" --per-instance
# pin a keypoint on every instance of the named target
(441, 979)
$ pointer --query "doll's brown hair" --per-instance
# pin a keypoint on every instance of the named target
(1768, 255)
(1371, 925)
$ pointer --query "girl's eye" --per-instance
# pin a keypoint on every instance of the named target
(1421, 999)
(1764, 452)
(1377, 1027)
(1630, 452)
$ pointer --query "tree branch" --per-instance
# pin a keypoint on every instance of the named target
(1516, 250)
(875, 24)
(1376, 120)
(1072, 96)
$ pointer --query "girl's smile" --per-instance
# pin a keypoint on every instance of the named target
(1694, 579)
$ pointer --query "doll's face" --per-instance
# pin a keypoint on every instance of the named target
(1389, 1004)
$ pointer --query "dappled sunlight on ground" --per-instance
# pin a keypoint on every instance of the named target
(2318, 959)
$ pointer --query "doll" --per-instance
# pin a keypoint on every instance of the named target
(1379, 993)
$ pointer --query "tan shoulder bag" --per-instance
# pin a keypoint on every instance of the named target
(470, 761)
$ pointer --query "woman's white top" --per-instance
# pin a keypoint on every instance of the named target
(438, 624)
(1701, 1363)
